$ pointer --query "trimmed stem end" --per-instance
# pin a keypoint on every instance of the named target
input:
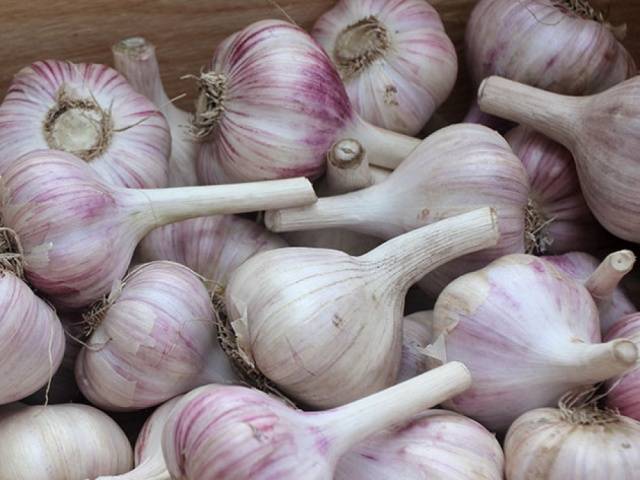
(625, 352)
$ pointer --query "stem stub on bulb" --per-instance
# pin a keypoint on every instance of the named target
(359, 45)
(212, 88)
(536, 237)
(346, 154)
(78, 126)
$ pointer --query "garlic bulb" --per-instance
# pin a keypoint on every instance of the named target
(90, 111)
(624, 393)
(349, 303)
(270, 106)
(435, 444)
(78, 233)
(417, 334)
(60, 442)
(148, 459)
(455, 170)
(573, 442)
(558, 218)
(155, 338)
(31, 340)
(602, 280)
(528, 41)
(236, 433)
(397, 62)
(599, 130)
(528, 333)
(135, 58)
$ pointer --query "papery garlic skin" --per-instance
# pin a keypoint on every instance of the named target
(395, 58)
(210, 246)
(60, 442)
(88, 110)
(417, 334)
(155, 340)
(32, 341)
(528, 333)
(435, 444)
(544, 444)
(624, 393)
(558, 217)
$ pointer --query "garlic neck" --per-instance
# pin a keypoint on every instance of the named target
(536, 235)
(210, 104)
(592, 363)
(78, 126)
(359, 45)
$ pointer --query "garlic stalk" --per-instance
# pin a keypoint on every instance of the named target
(454, 170)
(78, 233)
(602, 279)
(573, 441)
(271, 104)
(237, 433)
(154, 338)
(148, 459)
(349, 303)
(417, 334)
(395, 58)
(558, 218)
(528, 333)
(90, 111)
(599, 130)
(435, 444)
(60, 442)
(135, 58)
(31, 340)
(624, 393)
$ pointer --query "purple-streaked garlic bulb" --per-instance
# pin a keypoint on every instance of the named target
(153, 338)
(79, 233)
(271, 104)
(148, 459)
(576, 440)
(624, 393)
(397, 62)
(236, 433)
(135, 58)
(276, 298)
(60, 442)
(528, 333)
(558, 218)
(31, 340)
(455, 170)
(602, 279)
(210, 246)
(90, 111)
(417, 334)
(435, 444)
(528, 41)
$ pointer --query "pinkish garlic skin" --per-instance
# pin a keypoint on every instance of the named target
(556, 193)
(136, 149)
(417, 334)
(210, 246)
(625, 394)
(436, 444)
(580, 266)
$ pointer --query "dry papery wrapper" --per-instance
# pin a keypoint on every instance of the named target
(528, 333)
(576, 440)
(276, 298)
(394, 57)
(90, 111)
(60, 442)
(218, 432)
(275, 69)
(527, 41)
(417, 335)
(599, 130)
(78, 233)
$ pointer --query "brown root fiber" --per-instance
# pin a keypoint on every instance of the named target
(536, 237)
(212, 91)
(583, 9)
(11, 253)
(359, 45)
(580, 407)
(93, 317)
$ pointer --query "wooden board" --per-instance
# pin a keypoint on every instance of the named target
(186, 31)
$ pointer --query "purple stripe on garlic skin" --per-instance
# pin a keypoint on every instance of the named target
(436, 444)
(32, 340)
(528, 333)
(157, 339)
(625, 392)
(396, 60)
(88, 110)
(236, 433)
